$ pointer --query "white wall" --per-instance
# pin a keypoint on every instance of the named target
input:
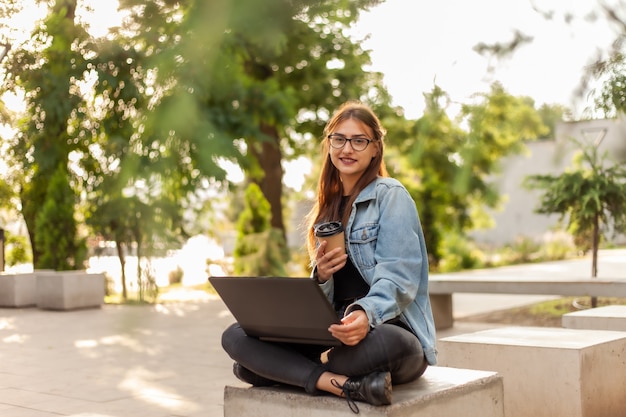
(545, 157)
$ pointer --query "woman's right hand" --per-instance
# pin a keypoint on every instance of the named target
(329, 263)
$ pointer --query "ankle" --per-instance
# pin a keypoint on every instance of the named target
(325, 383)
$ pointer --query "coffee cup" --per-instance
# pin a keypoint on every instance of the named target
(331, 232)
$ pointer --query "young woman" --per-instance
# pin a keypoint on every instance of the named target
(379, 288)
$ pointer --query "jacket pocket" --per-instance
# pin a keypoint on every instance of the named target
(363, 244)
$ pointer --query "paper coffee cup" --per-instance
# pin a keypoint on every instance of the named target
(331, 232)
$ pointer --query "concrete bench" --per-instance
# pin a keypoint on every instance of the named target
(18, 290)
(440, 391)
(441, 289)
(548, 371)
(70, 290)
(599, 318)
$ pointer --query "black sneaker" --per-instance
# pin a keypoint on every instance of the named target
(246, 375)
(374, 389)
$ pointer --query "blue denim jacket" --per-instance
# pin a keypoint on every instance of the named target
(384, 240)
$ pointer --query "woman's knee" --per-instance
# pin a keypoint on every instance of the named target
(231, 337)
(409, 369)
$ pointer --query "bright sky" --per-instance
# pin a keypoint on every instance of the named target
(418, 43)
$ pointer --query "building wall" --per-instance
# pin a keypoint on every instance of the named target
(517, 217)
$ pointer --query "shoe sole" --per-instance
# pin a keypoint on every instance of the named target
(387, 389)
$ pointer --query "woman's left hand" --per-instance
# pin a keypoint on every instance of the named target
(353, 329)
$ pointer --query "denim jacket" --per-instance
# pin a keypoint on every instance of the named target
(384, 240)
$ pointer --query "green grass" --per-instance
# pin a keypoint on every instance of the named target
(547, 313)
(556, 308)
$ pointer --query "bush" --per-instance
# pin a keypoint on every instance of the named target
(557, 246)
(458, 253)
(109, 288)
(176, 276)
(17, 249)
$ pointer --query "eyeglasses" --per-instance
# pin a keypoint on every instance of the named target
(338, 141)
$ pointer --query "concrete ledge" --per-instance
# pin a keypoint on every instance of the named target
(538, 286)
(548, 371)
(600, 318)
(70, 290)
(440, 391)
(18, 290)
(441, 289)
(443, 314)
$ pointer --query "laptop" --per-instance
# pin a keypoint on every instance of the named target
(279, 309)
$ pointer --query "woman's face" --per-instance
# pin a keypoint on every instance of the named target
(350, 163)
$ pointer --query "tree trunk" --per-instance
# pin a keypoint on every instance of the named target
(595, 246)
(120, 255)
(270, 159)
(594, 257)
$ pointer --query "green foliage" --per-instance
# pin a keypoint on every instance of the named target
(458, 253)
(551, 115)
(17, 249)
(260, 249)
(448, 169)
(591, 195)
(185, 85)
(558, 246)
(55, 227)
(523, 250)
(255, 217)
(583, 238)
(247, 81)
(180, 87)
(6, 194)
(611, 98)
(48, 69)
(148, 290)
(176, 276)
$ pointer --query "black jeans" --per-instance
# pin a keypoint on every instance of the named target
(387, 347)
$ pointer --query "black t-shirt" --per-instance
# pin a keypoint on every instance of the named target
(349, 284)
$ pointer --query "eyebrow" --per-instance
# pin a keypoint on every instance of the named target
(353, 136)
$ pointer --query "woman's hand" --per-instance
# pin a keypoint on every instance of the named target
(353, 329)
(329, 263)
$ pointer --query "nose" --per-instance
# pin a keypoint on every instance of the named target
(345, 147)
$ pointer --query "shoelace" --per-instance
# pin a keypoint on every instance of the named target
(351, 403)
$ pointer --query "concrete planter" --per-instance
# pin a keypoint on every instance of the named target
(18, 290)
(70, 290)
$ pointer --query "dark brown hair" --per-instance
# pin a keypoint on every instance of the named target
(329, 187)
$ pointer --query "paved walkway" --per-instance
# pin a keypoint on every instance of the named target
(122, 361)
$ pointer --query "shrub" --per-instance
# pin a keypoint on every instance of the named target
(176, 276)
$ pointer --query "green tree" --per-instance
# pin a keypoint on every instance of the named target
(591, 195)
(610, 97)
(129, 199)
(181, 86)
(55, 233)
(253, 82)
(49, 69)
(259, 249)
(551, 115)
(447, 168)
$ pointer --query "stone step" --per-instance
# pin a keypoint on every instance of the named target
(548, 371)
(599, 318)
(441, 391)
(70, 290)
(18, 290)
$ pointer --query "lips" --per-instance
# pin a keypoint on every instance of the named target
(347, 161)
